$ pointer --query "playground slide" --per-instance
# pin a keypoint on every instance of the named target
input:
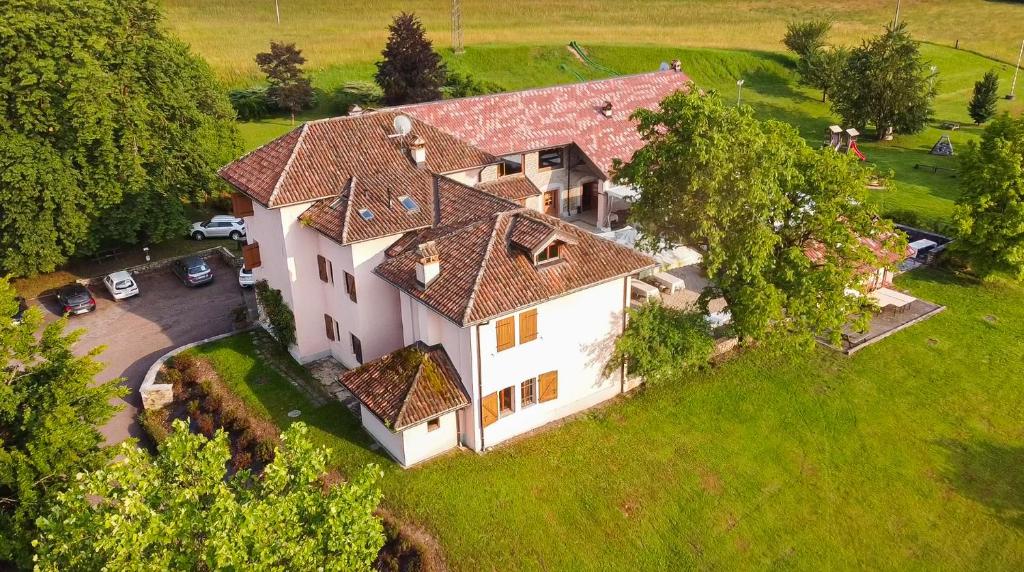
(856, 151)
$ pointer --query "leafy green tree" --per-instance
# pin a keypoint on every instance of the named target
(989, 214)
(780, 224)
(983, 103)
(180, 512)
(886, 83)
(806, 37)
(49, 411)
(661, 343)
(823, 69)
(411, 70)
(290, 89)
(106, 125)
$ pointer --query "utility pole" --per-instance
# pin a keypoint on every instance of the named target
(1013, 84)
(896, 20)
(739, 91)
(457, 46)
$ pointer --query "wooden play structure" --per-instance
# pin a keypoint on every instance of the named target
(843, 141)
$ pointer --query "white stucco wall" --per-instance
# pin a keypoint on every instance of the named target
(391, 441)
(421, 444)
(576, 335)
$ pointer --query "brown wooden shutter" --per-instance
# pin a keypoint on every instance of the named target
(528, 326)
(251, 255)
(329, 324)
(321, 265)
(489, 409)
(241, 205)
(350, 286)
(548, 386)
(505, 329)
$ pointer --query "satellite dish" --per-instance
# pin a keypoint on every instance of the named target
(402, 125)
(664, 66)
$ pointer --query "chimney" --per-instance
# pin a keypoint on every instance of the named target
(428, 264)
(606, 109)
(355, 110)
(418, 151)
(677, 66)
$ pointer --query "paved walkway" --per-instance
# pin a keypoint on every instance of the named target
(327, 371)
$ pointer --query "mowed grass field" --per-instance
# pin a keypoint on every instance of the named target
(228, 33)
(906, 456)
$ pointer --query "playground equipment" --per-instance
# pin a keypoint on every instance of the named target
(943, 147)
(843, 141)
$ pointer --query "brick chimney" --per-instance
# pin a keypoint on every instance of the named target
(418, 151)
(606, 109)
(428, 264)
(677, 66)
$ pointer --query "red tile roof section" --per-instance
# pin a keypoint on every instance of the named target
(504, 123)
(408, 386)
(513, 187)
(482, 276)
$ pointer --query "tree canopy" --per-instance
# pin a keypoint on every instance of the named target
(982, 106)
(886, 83)
(411, 70)
(989, 215)
(180, 512)
(289, 89)
(49, 411)
(106, 125)
(806, 37)
(660, 343)
(780, 224)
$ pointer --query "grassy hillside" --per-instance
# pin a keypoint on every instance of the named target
(335, 32)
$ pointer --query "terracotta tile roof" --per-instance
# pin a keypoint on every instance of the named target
(320, 158)
(503, 123)
(513, 188)
(530, 234)
(447, 203)
(483, 276)
(408, 386)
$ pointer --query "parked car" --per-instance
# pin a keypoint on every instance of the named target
(20, 312)
(121, 285)
(193, 271)
(245, 277)
(75, 299)
(220, 226)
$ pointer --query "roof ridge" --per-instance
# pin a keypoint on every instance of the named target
(528, 90)
(412, 385)
(483, 266)
(288, 164)
(260, 148)
(347, 194)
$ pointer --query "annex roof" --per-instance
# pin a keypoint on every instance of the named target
(512, 187)
(408, 386)
(483, 274)
(504, 123)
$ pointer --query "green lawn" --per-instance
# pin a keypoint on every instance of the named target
(905, 456)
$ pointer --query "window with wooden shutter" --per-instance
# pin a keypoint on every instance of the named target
(528, 326)
(251, 255)
(505, 330)
(548, 383)
(241, 205)
(357, 348)
(321, 265)
(350, 286)
(489, 409)
(329, 327)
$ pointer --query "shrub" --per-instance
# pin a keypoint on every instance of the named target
(363, 94)
(251, 104)
(154, 423)
(660, 343)
(465, 85)
(280, 316)
(205, 424)
(241, 460)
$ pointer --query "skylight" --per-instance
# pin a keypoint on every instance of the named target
(408, 203)
(367, 214)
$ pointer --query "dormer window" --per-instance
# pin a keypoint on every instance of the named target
(549, 253)
(511, 165)
(408, 204)
(550, 159)
(366, 214)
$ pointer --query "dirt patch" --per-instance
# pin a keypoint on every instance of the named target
(409, 547)
(629, 507)
(710, 482)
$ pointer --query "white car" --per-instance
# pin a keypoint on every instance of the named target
(220, 226)
(245, 278)
(121, 285)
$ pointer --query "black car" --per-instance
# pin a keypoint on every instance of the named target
(75, 299)
(193, 271)
(22, 306)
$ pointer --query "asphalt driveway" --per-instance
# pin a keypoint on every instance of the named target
(137, 331)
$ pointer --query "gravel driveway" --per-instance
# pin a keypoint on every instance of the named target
(137, 331)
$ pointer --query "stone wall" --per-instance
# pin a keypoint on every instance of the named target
(156, 394)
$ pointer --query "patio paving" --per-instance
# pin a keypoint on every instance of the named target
(327, 371)
(886, 323)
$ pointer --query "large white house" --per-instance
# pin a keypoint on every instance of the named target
(455, 268)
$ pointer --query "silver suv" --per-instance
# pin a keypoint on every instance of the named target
(220, 226)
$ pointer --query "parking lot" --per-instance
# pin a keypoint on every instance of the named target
(138, 330)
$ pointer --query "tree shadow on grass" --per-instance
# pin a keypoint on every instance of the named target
(990, 474)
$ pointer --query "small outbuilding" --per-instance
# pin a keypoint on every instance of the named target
(408, 401)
